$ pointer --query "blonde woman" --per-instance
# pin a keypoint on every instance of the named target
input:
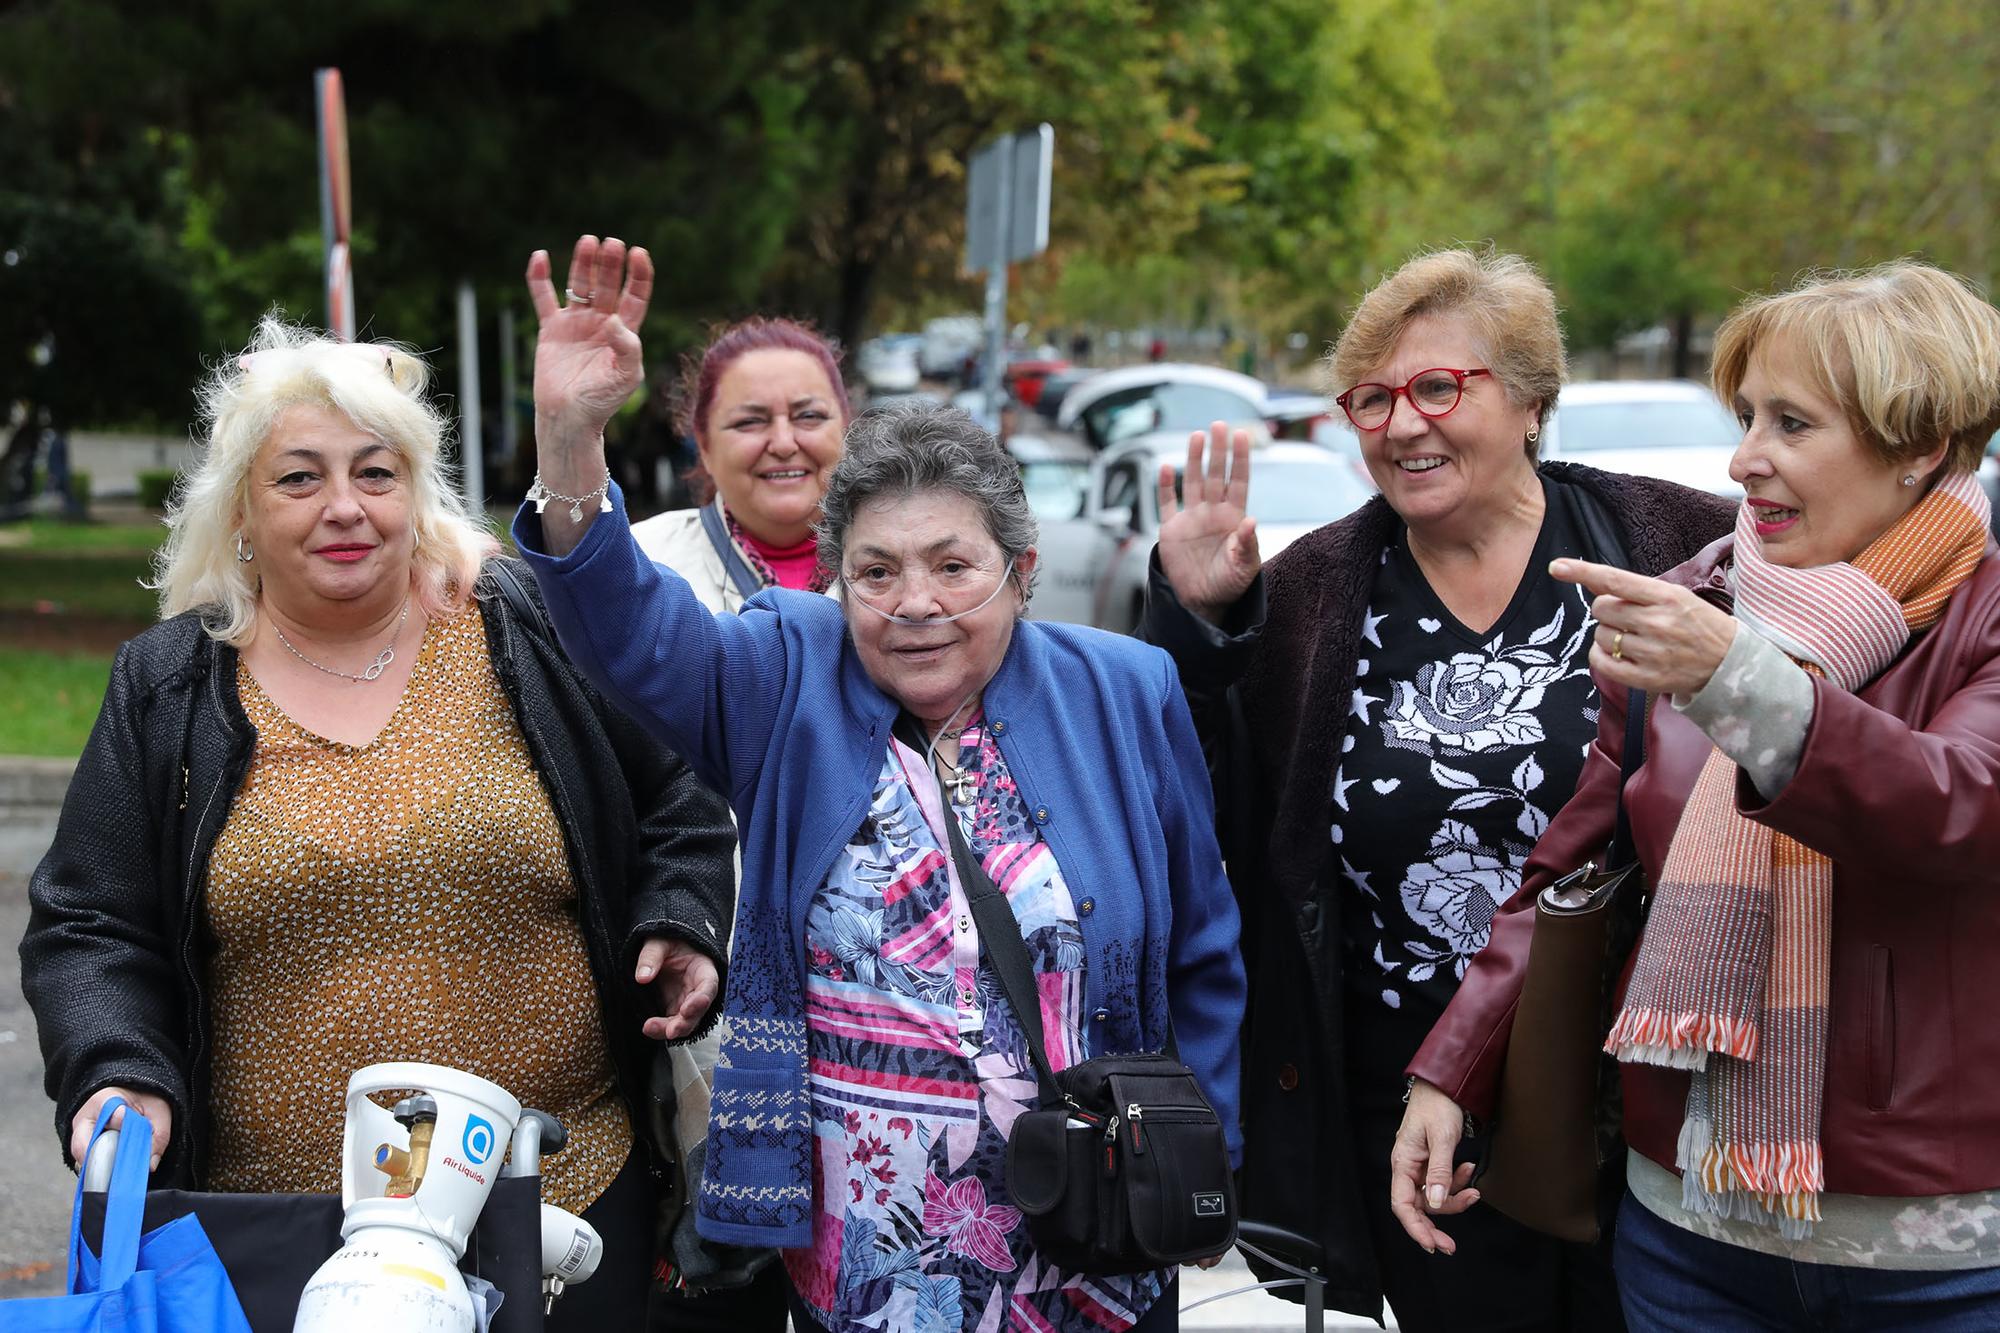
(343, 805)
(1808, 1074)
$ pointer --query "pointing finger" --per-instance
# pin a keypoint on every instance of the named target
(1610, 579)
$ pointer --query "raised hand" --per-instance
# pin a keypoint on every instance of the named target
(1208, 549)
(587, 355)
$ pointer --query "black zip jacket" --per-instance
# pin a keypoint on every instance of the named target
(114, 959)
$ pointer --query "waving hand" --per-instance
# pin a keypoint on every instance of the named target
(1208, 549)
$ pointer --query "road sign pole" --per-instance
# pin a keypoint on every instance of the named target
(471, 457)
(996, 288)
(335, 201)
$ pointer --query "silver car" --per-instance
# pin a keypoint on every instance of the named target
(1101, 519)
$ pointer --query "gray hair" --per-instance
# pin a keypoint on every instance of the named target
(903, 449)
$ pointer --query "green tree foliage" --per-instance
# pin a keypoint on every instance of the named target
(96, 322)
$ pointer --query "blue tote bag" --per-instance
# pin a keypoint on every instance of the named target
(165, 1281)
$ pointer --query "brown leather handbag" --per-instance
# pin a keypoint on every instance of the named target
(1556, 1125)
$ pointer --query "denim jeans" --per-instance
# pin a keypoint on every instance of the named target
(1671, 1280)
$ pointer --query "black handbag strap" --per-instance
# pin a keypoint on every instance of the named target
(999, 931)
(1622, 852)
(526, 610)
(733, 563)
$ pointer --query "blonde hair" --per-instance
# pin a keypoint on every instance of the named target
(1911, 354)
(1502, 297)
(379, 387)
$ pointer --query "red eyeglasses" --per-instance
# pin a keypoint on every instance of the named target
(1433, 392)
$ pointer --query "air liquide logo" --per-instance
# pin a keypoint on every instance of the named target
(478, 1139)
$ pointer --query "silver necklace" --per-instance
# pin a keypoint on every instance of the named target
(373, 671)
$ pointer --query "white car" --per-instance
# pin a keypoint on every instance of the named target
(1163, 398)
(1670, 429)
(1101, 519)
(889, 363)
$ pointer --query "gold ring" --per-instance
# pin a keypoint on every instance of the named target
(1618, 646)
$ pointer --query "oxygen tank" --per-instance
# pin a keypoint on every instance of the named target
(412, 1182)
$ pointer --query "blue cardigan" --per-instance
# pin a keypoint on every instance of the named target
(772, 707)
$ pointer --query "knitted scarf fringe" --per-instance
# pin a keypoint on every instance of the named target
(1774, 1184)
(1679, 1041)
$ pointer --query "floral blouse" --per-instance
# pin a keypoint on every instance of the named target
(1460, 746)
(918, 1070)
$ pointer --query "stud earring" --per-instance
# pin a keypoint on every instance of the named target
(244, 554)
(1909, 479)
(1534, 433)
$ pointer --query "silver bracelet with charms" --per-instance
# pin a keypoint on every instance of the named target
(539, 495)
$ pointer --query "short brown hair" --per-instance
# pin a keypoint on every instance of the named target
(1911, 354)
(1503, 297)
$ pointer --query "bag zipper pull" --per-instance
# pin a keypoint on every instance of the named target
(1134, 1113)
(1111, 1145)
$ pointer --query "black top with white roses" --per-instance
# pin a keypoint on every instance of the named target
(1459, 748)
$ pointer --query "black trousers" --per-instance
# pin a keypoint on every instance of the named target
(1505, 1278)
(615, 1296)
(619, 1296)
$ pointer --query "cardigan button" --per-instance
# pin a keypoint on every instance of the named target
(1100, 1015)
(1086, 907)
(1288, 1077)
(1041, 814)
(998, 727)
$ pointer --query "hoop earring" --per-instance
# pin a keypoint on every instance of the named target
(416, 539)
(244, 554)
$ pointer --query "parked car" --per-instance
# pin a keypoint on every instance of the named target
(948, 341)
(1057, 386)
(1670, 429)
(1100, 521)
(1026, 378)
(1166, 398)
(1295, 414)
(889, 363)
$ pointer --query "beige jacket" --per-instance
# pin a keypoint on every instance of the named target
(675, 539)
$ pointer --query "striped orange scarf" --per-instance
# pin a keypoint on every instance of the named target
(1734, 962)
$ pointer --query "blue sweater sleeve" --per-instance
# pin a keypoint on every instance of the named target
(708, 684)
(1206, 988)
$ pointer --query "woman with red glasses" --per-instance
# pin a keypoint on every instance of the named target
(1398, 706)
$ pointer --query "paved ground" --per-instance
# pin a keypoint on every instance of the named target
(36, 1189)
(34, 1185)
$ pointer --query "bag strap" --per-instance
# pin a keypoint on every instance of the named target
(526, 609)
(999, 932)
(733, 563)
(124, 1202)
(1622, 852)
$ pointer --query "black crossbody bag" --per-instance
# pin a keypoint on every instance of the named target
(1123, 1166)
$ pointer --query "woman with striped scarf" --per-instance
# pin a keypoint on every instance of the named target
(1812, 1093)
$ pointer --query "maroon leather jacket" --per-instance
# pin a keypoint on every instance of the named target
(1900, 785)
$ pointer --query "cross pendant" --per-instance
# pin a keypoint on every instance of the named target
(962, 788)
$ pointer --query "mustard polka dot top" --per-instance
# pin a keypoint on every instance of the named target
(409, 899)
